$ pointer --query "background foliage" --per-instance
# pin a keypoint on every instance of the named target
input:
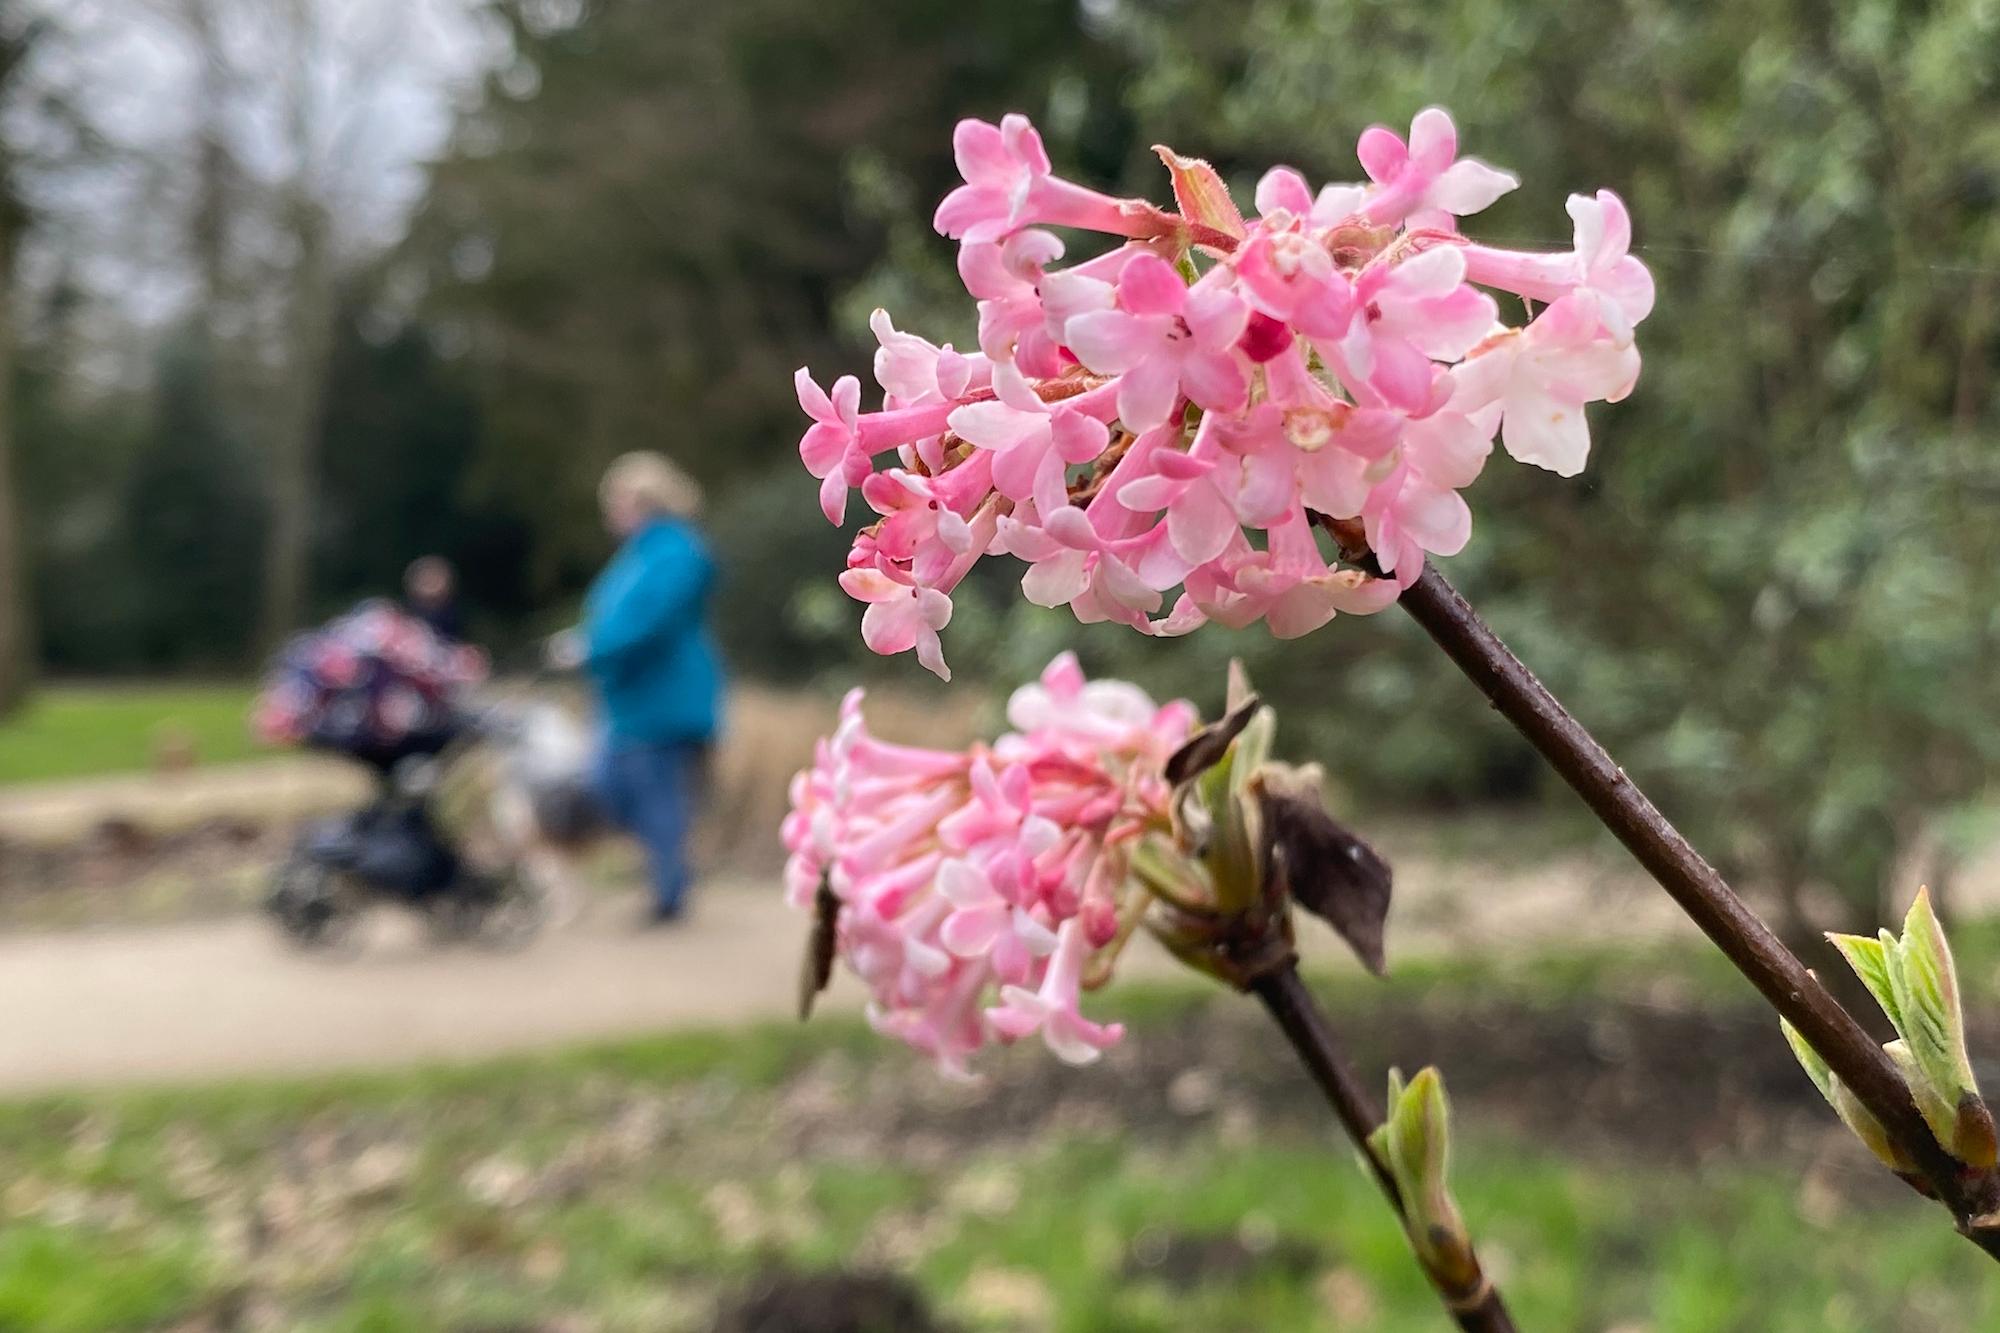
(1773, 592)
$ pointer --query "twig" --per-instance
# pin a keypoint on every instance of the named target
(1478, 1309)
(1704, 895)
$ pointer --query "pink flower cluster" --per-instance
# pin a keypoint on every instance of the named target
(976, 886)
(1128, 421)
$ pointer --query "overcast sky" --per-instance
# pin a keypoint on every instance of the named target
(384, 75)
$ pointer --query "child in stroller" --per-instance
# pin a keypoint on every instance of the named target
(379, 686)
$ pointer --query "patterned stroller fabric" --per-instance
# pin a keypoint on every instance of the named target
(377, 684)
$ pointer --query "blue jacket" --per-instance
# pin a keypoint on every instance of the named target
(648, 646)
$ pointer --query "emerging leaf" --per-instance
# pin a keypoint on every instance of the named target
(1237, 691)
(1816, 1069)
(1253, 749)
(1939, 1112)
(1232, 849)
(1170, 876)
(1325, 868)
(1868, 1129)
(1932, 1021)
(1871, 961)
(1844, 1103)
(1415, 1145)
(1916, 983)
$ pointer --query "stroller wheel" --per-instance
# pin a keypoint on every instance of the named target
(452, 916)
(314, 910)
(508, 910)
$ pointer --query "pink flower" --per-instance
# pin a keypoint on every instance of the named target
(1009, 184)
(1200, 519)
(920, 533)
(1006, 278)
(986, 924)
(1064, 704)
(1283, 266)
(1284, 191)
(1600, 265)
(1288, 584)
(1032, 441)
(1541, 377)
(1420, 181)
(841, 444)
(901, 617)
(1409, 314)
(1449, 448)
(1407, 515)
(914, 372)
(1052, 1009)
(1075, 566)
(1165, 339)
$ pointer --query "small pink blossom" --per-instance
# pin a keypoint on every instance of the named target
(1424, 181)
(914, 372)
(1053, 1008)
(1166, 339)
(1541, 377)
(1287, 273)
(1033, 442)
(1600, 264)
(1006, 279)
(901, 617)
(1010, 184)
(920, 532)
(1407, 515)
(1288, 584)
(1409, 315)
(1074, 566)
(1200, 519)
(842, 442)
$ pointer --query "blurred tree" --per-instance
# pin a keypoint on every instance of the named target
(401, 433)
(17, 655)
(42, 134)
(16, 648)
(280, 198)
(639, 231)
(192, 521)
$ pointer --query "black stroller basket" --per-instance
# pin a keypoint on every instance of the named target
(392, 844)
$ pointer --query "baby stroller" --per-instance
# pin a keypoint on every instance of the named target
(380, 687)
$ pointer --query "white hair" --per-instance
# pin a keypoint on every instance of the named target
(654, 483)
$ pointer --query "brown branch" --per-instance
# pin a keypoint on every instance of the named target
(1477, 1308)
(1972, 1195)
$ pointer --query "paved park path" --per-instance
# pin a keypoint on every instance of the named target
(224, 998)
(221, 998)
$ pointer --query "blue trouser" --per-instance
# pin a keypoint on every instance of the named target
(649, 790)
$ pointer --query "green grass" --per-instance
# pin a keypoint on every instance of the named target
(519, 1193)
(72, 731)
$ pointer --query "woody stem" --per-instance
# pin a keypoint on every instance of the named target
(1291, 1005)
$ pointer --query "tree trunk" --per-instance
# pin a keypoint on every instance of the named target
(295, 420)
(16, 629)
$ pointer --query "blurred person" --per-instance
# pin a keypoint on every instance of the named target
(645, 644)
(430, 591)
